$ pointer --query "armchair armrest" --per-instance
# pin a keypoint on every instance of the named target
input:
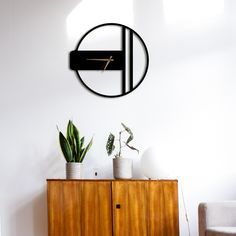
(214, 214)
(202, 219)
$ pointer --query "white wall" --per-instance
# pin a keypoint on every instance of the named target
(185, 106)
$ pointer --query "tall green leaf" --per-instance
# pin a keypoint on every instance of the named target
(70, 138)
(110, 144)
(86, 150)
(65, 147)
(81, 151)
(77, 143)
(69, 130)
(128, 130)
(82, 142)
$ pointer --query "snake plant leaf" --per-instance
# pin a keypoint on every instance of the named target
(82, 142)
(71, 138)
(81, 151)
(81, 145)
(69, 131)
(77, 143)
(128, 130)
(86, 150)
(131, 147)
(65, 147)
(110, 144)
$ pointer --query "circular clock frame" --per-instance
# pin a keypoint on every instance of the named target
(145, 66)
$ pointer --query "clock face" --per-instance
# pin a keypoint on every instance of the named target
(111, 60)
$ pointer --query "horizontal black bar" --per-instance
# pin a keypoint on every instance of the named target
(96, 60)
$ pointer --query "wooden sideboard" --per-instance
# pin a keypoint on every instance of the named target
(113, 207)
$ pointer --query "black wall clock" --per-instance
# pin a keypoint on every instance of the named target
(111, 60)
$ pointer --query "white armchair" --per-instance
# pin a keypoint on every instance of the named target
(217, 219)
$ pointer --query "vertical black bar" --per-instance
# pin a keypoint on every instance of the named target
(123, 87)
(131, 85)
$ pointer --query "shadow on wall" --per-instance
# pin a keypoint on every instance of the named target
(28, 213)
(40, 214)
(32, 214)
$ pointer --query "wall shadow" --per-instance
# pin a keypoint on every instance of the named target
(39, 204)
(31, 216)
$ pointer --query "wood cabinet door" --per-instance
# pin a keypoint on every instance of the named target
(96, 209)
(79, 208)
(145, 208)
(129, 208)
(163, 208)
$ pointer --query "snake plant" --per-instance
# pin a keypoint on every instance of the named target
(72, 145)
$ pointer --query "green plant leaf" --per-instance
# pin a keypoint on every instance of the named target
(110, 144)
(81, 151)
(86, 150)
(71, 138)
(128, 130)
(77, 143)
(65, 147)
(133, 148)
(69, 130)
(82, 142)
(81, 145)
(130, 138)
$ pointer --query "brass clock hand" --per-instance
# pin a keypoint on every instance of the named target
(108, 60)
(96, 59)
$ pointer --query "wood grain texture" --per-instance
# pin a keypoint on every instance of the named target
(96, 209)
(63, 209)
(131, 218)
(79, 208)
(163, 208)
(89, 208)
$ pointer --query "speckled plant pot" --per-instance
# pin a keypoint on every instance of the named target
(122, 168)
(74, 170)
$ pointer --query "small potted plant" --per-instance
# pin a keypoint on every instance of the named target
(74, 151)
(122, 167)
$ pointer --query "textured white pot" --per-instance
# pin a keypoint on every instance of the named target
(122, 168)
(74, 170)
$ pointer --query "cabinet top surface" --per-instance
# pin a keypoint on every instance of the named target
(113, 180)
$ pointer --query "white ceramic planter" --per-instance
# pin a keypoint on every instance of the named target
(74, 170)
(122, 168)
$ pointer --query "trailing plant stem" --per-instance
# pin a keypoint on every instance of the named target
(120, 143)
(110, 146)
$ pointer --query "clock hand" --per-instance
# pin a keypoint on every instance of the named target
(99, 59)
(102, 59)
(109, 60)
(96, 59)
